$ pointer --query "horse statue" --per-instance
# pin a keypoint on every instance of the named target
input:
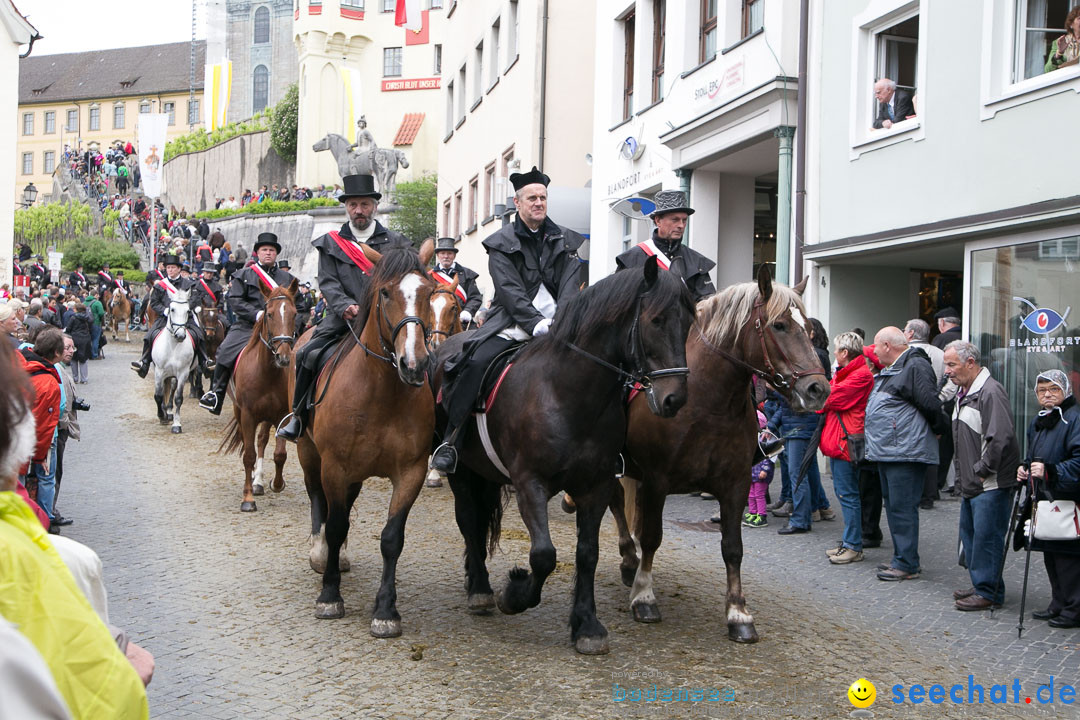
(260, 391)
(748, 329)
(173, 354)
(210, 320)
(120, 313)
(385, 162)
(559, 423)
(381, 162)
(374, 417)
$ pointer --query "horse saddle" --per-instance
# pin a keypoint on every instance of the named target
(494, 375)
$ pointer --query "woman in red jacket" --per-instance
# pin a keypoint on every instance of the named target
(48, 349)
(845, 414)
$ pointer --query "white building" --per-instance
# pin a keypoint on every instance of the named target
(355, 61)
(693, 95)
(518, 92)
(973, 203)
(259, 38)
(18, 32)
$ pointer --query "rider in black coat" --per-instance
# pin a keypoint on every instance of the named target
(447, 268)
(160, 298)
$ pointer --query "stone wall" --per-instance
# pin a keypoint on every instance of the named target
(194, 180)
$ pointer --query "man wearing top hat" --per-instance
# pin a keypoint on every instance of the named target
(447, 268)
(304, 302)
(159, 300)
(38, 272)
(534, 268)
(343, 283)
(248, 304)
(77, 279)
(207, 288)
(670, 218)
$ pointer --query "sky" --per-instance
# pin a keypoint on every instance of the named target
(79, 25)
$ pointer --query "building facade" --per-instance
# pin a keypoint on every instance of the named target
(701, 96)
(517, 92)
(17, 38)
(92, 99)
(969, 202)
(259, 39)
(355, 62)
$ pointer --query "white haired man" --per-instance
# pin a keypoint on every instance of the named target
(894, 104)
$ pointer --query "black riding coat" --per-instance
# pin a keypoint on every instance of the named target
(200, 298)
(690, 265)
(246, 298)
(80, 282)
(160, 299)
(38, 273)
(341, 281)
(467, 282)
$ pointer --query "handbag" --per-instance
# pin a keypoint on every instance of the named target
(1056, 520)
(856, 443)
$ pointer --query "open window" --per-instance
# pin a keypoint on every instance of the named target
(897, 54)
(1039, 23)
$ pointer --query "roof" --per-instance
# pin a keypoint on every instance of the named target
(18, 27)
(410, 125)
(120, 72)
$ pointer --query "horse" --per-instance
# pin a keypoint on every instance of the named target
(120, 311)
(373, 417)
(748, 329)
(446, 309)
(559, 423)
(210, 320)
(260, 391)
(173, 354)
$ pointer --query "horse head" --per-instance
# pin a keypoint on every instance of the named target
(401, 309)
(208, 318)
(657, 345)
(402, 160)
(278, 322)
(446, 313)
(179, 311)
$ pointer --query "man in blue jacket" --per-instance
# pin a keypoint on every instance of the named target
(903, 420)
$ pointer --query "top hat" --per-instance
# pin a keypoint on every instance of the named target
(520, 180)
(186, 266)
(671, 201)
(210, 267)
(172, 260)
(104, 266)
(284, 264)
(358, 186)
(267, 238)
(445, 243)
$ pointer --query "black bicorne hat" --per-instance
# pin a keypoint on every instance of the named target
(358, 186)
(520, 180)
(445, 243)
(267, 238)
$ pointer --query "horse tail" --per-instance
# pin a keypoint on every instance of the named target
(234, 438)
(495, 515)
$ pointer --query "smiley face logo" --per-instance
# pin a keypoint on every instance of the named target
(862, 693)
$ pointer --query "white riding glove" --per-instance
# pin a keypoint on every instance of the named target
(258, 316)
(466, 316)
(542, 327)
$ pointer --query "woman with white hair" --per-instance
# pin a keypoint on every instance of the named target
(1053, 462)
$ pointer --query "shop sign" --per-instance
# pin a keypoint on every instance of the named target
(732, 78)
(1043, 321)
(411, 84)
(634, 179)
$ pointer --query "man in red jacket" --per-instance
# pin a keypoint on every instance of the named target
(48, 349)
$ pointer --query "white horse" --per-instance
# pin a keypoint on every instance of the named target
(174, 358)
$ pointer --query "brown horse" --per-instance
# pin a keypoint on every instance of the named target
(119, 306)
(260, 391)
(210, 321)
(446, 308)
(374, 416)
(748, 329)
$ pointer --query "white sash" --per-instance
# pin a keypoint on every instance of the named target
(649, 248)
(265, 278)
(447, 280)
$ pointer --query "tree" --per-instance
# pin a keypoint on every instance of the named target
(283, 123)
(416, 218)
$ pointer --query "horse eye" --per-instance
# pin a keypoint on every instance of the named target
(658, 321)
(384, 293)
(778, 327)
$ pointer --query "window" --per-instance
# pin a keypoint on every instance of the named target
(436, 4)
(659, 31)
(260, 88)
(118, 116)
(262, 25)
(49, 161)
(353, 4)
(512, 28)
(72, 124)
(391, 62)
(28, 163)
(95, 118)
(450, 108)
(494, 59)
(708, 30)
(1039, 24)
(438, 59)
(50, 122)
(446, 218)
(897, 48)
(144, 107)
(489, 191)
(28, 123)
(388, 5)
(628, 66)
(170, 110)
(753, 16)
(507, 158)
(627, 233)
(478, 74)
(474, 192)
(461, 94)
(193, 112)
(457, 214)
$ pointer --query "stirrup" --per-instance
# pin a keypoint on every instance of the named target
(621, 467)
(208, 404)
(284, 425)
(448, 451)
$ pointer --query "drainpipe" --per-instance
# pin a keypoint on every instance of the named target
(543, 84)
(684, 175)
(783, 205)
(800, 136)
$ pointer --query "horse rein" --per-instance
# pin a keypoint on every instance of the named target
(274, 343)
(770, 374)
(391, 355)
(441, 290)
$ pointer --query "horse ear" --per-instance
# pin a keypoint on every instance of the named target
(293, 286)
(652, 271)
(427, 251)
(801, 287)
(764, 283)
(264, 290)
(370, 253)
(454, 285)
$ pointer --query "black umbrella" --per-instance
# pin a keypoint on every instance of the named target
(811, 452)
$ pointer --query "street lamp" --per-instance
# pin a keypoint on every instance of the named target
(29, 194)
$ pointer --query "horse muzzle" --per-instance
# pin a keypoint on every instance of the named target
(180, 333)
(810, 393)
(666, 397)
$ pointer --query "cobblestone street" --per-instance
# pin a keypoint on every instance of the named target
(225, 601)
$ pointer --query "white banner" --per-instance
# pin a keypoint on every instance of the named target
(152, 129)
(55, 261)
(217, 88)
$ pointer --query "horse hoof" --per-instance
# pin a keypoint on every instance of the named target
(481, 604)
(257, 489)
(385, 628)
(248, 506)
(742, 633)
(176, 430)
(164, 421)
(592, 645)
(567, 506)
(277, 485)
(330, 611)
(628, 575)
(646, 613)
(504, 608)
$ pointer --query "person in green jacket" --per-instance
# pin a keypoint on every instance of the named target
(97, 312)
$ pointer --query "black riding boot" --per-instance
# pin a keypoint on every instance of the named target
(143, 365)
(206, 365)
(445, 457)
(297, 420)
(219, 386)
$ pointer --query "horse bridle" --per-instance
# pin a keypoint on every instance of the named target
(770, 374)
(169, 324)
(274, 343)
(388, 348)
(441, 290)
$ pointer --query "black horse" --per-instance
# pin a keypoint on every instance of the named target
(559, 423)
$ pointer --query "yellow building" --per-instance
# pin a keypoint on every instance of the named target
(92, 99)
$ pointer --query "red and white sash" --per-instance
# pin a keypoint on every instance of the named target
(353, 252)
(270, 283)
(444, 279)
(650, 249)
(81, 276)
(169, 287)
(208, 290)
(107, 276)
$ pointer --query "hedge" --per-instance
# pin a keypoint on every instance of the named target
(268, 206)
(93, 252)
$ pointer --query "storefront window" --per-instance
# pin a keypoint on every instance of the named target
(1025, 316)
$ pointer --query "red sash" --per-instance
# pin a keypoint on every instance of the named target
(444, 279)
(208, 290)
(270, 283)
(353, 252)
(169, 287)
(650, 249)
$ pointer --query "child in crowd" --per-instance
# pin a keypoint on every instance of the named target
(760, 477)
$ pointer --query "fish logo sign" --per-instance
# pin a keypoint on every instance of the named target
(1042, 320)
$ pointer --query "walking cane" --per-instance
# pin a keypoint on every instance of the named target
(1005, 551)
(1027, 559)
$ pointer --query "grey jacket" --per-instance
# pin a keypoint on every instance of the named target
(987, 453)
(903, 412)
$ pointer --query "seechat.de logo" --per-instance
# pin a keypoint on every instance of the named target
(1042, 320)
